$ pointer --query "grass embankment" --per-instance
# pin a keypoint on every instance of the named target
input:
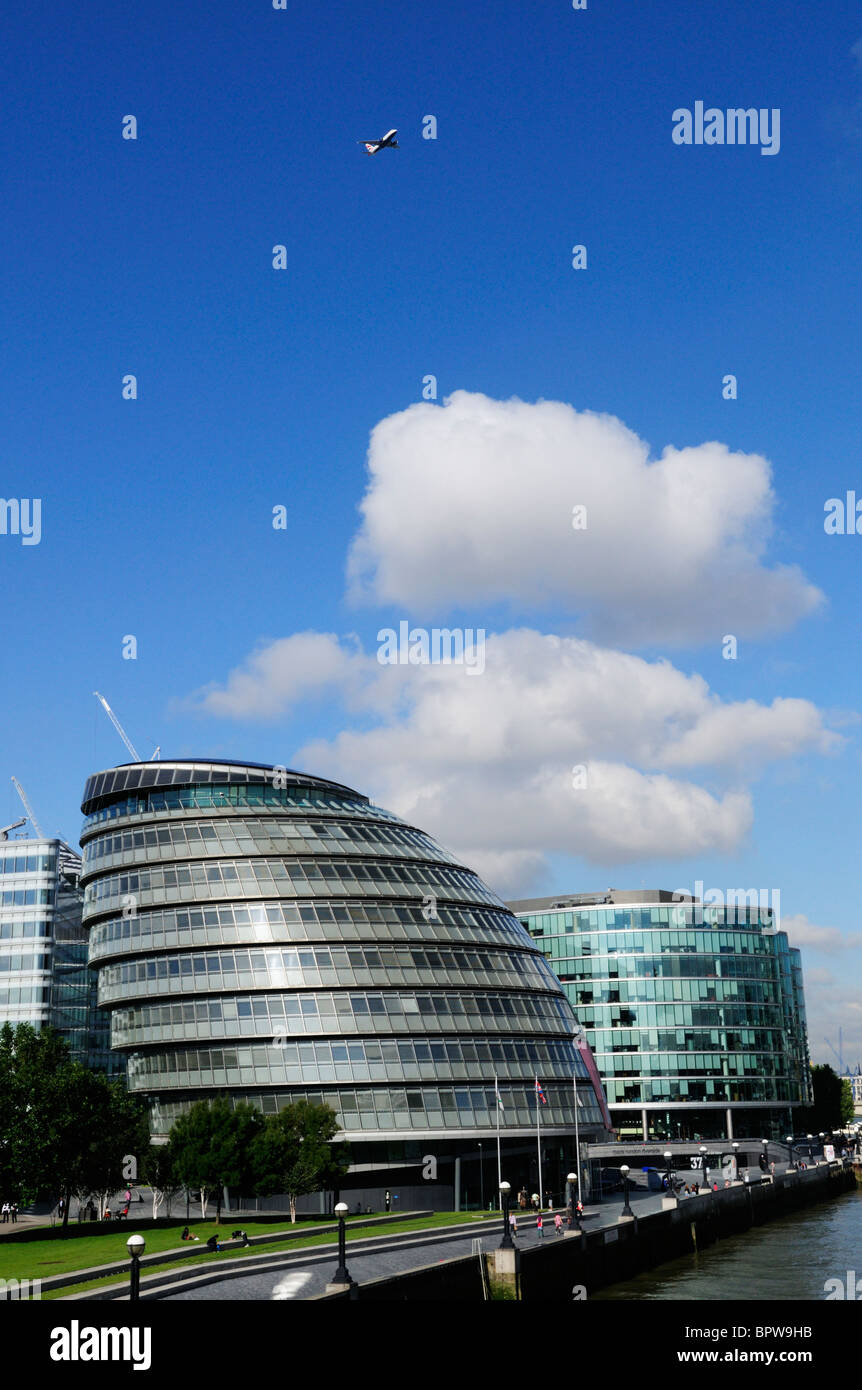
(41, 1259)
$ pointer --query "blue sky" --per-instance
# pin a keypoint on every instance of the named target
(449, 257)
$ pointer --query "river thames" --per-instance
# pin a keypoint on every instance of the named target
(791, 1258)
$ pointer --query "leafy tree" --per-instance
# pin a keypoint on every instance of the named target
(212, 1144)
(96, 1125)
(848, 1106)
(64, 1128)
(159, 1170)
(294, 1152)
(30, 1064)
(826, 1112)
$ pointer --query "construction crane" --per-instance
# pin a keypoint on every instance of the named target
(121, 731)
(4, 830)
(117, 725)
(845, 1070)
(29, 809)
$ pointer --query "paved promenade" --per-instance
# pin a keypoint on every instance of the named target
(306, 1273)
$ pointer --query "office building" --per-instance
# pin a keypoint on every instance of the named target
(695, 1013)
(44, 975)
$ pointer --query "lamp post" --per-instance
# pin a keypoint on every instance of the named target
(703, 1163)
(342, 1275)
(790, 1151)
(481, 1180)
(506, 1243)
(668, 1158)
(627, 1211)
(574, 1214)
(735, 1147)
(136, 1245)
(822, 1137)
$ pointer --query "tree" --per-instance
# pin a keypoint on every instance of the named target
(30, 1064)
(64, 1128)
(826, 1112)
(212, 1144)
(160, 1172)
(294, 1152)
(96, 1125)
(848, 1105)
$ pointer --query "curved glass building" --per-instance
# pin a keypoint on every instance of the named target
(274, 936)
(695, 1013)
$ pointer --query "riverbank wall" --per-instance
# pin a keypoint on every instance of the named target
(577, 1266)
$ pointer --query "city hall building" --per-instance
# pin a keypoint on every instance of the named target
(695, 1013)
(272, 935)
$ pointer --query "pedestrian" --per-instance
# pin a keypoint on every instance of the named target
(61, 1207)
(513, 1224)
(14, 1211)
(539, 1226)
(558, 1224)
(5, 1213)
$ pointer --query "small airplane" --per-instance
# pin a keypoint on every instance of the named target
(387, 143)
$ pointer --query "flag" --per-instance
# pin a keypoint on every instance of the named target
(540, 1093)
(497, 1094)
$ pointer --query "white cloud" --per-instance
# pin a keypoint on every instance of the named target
(486, 762)
(831, 1004)
(808, 935)
(471, 502)
(279, 674)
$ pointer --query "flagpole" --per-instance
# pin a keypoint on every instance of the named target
(499, 1167)
(539, 1146)
(577, 1133)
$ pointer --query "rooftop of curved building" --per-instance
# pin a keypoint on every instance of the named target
(182, 772)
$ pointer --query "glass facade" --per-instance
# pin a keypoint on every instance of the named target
(274, 936)
(45, 979)
(695, 1013)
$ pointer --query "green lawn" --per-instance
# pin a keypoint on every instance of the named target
(39, 1259)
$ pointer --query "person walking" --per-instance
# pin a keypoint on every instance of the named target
(539, 1227)
(5, 1213)
(558, 1224)
(14, 1212)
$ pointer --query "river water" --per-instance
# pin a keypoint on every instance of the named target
(786, 1259)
